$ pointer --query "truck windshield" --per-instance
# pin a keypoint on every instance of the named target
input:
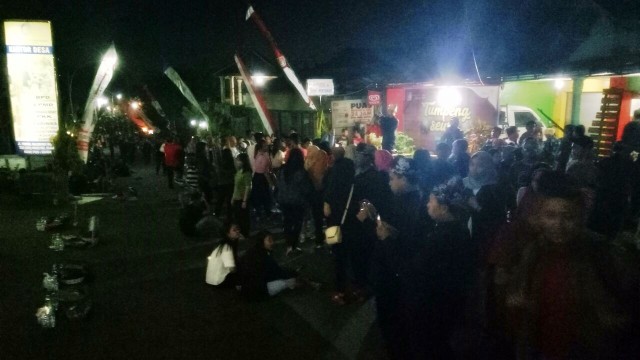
(523, 117)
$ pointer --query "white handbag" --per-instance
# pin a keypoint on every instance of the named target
(333, 234)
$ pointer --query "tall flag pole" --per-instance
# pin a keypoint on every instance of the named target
(184, 89)
(282, 61)
(100, 83)
(256, 96)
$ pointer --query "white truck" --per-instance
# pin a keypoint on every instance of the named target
(424, 111)
(516, 115)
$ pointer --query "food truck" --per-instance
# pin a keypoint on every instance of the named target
(424, 111)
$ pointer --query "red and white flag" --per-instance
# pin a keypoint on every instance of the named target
(100, 83)
(256, 96)
(282, 61)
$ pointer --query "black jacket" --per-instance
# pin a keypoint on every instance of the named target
(339, 180)
(255, 269)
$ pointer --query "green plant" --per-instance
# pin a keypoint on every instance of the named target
(404, 144)
(65, 153)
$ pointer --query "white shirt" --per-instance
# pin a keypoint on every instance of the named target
(220, 265)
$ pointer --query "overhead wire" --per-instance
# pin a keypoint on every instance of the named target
(473, 53)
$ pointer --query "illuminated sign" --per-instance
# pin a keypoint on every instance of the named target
(374, 98)
(32, 85)
(320, 87)
(428, 111)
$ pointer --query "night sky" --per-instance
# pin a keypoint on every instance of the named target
(198, 37)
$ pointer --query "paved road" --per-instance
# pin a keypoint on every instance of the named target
(149, 296)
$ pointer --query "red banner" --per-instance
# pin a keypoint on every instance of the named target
(282, 61)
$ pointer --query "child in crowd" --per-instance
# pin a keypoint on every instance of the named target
(221, 270)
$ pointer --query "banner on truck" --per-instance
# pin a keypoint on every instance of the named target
(32, 85)
(346, 113)
(428, 111)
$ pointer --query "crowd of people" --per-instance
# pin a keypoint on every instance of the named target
(524, 233)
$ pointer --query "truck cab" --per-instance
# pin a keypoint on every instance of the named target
(516, 115)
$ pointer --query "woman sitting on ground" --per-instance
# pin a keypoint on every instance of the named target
(221, 270)
(260, 275)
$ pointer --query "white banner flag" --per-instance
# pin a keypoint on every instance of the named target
(184, 89)
(100, 83)
(256, 96)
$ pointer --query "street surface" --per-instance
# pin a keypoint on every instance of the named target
(149, 298)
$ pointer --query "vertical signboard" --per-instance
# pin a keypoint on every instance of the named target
(347, 113)
(32, 85)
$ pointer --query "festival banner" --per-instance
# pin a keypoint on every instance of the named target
(32, 85)
(282, 61)
(184, 89)
(100, 83)
(256, 96)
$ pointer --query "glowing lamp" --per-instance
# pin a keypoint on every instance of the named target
(259, 79)
(101, 101)
(449, 97)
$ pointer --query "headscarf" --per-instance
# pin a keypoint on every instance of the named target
(487, 177)
(405, 167)
(453, 194)
(383, 160)
(316, 165)
(313, 153)
(365, 157)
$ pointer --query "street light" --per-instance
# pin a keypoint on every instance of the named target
(119, 96)
(135, 105)
(203, 125)
(101, 101)
(258, 79)
(193, 123)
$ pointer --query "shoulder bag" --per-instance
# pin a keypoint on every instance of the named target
(333, 234)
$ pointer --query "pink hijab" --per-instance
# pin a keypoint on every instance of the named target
(383, 160)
